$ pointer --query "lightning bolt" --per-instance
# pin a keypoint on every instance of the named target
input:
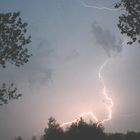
(96, 7)
(104, 92)
(80, 116)
(107, 97)
(109, 107)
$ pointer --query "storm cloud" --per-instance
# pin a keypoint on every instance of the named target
(107, 40)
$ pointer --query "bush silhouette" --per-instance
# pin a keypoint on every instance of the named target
(81, 130)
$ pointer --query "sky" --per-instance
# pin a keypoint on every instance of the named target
(70, 42)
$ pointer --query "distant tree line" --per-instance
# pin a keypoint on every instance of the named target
(81, 130)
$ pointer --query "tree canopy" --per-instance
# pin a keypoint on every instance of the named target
(79, 130)
(82, 130)
(129, 21)
(13, 39)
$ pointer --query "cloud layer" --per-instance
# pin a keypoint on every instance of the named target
(107, 40)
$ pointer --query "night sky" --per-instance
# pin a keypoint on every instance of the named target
(69, 44)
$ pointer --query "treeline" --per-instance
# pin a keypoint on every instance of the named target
(81, 130)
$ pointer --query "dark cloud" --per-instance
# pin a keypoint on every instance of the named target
(36, 72)
(107, 40)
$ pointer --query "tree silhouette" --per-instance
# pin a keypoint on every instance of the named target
(79, 130)
(19, 138)
(82, 131)
(53, 131)
(129, 21)
(7, 94)
(132, 135)
(13, 38)
(34, 138)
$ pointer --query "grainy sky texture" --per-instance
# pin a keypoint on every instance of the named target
(69, 44)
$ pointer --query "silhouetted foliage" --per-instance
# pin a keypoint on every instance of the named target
(54, 131)
(34, 138)
(19, 138)
(129, 21)
(13, 38)
(7, 94)
(81, 130)
(132, 136)
(116, 136)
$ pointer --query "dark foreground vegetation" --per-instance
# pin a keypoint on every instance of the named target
(81, 130)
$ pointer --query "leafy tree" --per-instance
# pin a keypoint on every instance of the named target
(83, 131)
(7, 94)
(54, 131)
(79, 130)
(13, 38)
(129, 21)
